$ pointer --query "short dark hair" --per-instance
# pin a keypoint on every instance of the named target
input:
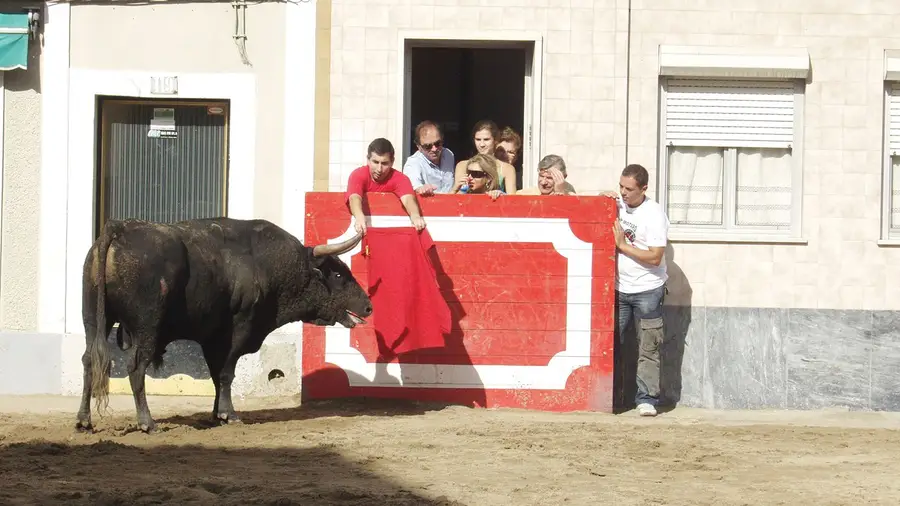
(488, 125)
(380, 146)
(638, 172)
(425, 124)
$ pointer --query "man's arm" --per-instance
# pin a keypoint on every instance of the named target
(656, 238)
(355, 189)
(412, 170)
(653, 256)
(357, 212)
(403, 189)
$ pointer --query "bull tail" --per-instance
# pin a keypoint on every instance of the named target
(100, 360)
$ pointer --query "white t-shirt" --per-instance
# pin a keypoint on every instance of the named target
(645, 225)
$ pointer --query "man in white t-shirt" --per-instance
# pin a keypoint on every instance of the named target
(641, 233)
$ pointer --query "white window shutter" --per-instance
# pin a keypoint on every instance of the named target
(894, 124)
(757, 114)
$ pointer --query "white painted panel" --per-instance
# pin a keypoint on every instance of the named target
(729, 113)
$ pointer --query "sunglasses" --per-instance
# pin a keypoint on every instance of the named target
(476, 174)
(436, 144)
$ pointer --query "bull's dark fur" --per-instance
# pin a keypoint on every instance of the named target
(221, 282)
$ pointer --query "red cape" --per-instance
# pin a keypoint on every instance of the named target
(409, 311)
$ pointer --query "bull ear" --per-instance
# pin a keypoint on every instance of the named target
(318, 273)
(315, 261)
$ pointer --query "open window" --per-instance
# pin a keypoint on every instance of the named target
(458, 82)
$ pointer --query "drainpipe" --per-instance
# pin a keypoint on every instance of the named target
(627, 83)
(240, 29)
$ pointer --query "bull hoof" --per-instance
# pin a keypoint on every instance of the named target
(148, 428)
(84, 427)
(228, 418)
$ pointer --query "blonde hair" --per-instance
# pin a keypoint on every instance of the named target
(488, 164)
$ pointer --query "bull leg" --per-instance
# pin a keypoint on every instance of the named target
(214, 362)
(225, 409)
(83, 423)
(84, 411)
(137, 371)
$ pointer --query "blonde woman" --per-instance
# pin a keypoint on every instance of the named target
(486, 137)
(480, 176)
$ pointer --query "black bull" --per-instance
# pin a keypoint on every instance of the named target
(221, 282)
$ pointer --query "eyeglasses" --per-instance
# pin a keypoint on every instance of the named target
(476, 174)
(436, 144)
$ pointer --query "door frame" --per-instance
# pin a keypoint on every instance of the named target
(86, 85)
(103, 140)
(532, 125)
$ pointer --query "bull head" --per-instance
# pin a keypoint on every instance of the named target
(350, 301)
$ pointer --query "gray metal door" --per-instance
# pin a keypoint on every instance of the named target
(163, 161)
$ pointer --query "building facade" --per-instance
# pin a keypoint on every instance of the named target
(164, 111)
(769, 130)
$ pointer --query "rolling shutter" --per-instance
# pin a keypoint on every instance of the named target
(731, 113)
(894, 120)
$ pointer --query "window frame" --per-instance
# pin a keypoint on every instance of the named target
(886, 237)
(727, 232)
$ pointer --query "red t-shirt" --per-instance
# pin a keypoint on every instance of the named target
(360, 183)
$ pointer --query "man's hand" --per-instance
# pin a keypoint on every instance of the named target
(418, 222)
(559, 181)
(618, 234)
(426, 190)
(360, 225)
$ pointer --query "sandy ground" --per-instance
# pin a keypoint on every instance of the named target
(358, 452)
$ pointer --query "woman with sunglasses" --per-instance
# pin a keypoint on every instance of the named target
(486, 138)
(480, 177)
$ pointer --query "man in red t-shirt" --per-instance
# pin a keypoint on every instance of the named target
(379, 176)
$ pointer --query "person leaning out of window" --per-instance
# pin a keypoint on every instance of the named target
(480, 177)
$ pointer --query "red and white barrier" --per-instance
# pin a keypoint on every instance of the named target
(530, 283)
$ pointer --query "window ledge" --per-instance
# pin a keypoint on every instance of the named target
(889, 242)
(725, 238)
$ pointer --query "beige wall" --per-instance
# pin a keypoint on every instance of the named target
(21, 194)
(197, 38)
(841, 267)
(584, 107)
(584, 73)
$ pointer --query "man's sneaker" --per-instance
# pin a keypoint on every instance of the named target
(646, 409)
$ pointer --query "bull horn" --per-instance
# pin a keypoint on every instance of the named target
(336, 249)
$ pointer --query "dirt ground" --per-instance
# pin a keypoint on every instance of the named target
(385, 453)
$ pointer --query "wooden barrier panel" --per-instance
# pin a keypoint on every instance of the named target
(530, 282)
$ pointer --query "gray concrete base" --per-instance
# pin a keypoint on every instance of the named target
(751, 358)
(30, 363)
(720, 358)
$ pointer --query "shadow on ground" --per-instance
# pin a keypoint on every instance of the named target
(107, 473)
(312, 409)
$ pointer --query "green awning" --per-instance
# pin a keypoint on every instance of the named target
(13, 41)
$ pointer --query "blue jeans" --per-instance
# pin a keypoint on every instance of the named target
(648, 308)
